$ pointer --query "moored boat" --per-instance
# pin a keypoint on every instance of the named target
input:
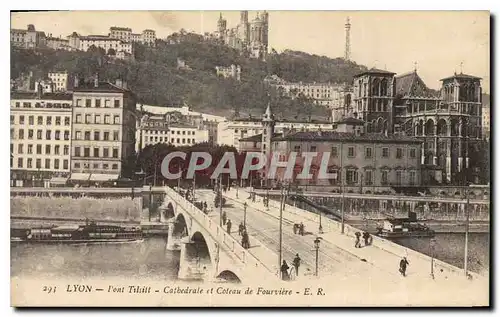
(88, 233)
(395, 228)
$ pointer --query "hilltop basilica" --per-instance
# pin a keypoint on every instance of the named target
(248, 37)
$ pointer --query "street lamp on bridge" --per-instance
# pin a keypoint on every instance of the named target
(245, 214)
(432, 244)
(316, 247)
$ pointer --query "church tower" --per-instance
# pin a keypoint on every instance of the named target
(221, 27)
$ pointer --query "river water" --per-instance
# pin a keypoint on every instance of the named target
(151, 259)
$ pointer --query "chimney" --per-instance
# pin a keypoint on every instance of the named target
(119, 83)
(96, 81)
(75, 84)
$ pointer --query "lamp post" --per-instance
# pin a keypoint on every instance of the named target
(432, 244)
(281, 230)
(316, 247)
(245, 214)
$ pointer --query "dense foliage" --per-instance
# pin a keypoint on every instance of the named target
(156, 79)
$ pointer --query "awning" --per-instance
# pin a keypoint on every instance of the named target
(80, 177)
(103, 177)
(58, 180)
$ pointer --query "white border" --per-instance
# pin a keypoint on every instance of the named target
(493, 6)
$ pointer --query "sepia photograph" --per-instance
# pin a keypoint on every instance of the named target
(250, 159)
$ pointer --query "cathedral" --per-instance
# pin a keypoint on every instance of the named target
(248, 37)
(448, 121)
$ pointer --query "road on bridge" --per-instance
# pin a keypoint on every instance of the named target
(263, 228)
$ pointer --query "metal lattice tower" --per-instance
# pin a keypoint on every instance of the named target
(347, 53)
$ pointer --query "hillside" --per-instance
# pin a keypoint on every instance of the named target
(155, 78)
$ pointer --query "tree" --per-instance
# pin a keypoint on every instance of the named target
(112, 52)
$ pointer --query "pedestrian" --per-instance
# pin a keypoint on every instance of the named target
(224, 218)
(301, 229)
(205, 205)
(229, 226)
(402, 266)
(294, 228)
(296, 264)
(245, 242)
(284, 271)
(357, 244)
(240, 229)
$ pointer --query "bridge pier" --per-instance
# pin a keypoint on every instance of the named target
(194, 263)
(173, 241)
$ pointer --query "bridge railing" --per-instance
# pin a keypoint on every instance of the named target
(378, 242)
(426, 199)
(217, 232)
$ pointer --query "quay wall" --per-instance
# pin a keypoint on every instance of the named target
(125, 209)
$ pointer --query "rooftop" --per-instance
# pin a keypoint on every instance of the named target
(118, 28)
(348, 137)
(102, 87)
(461, 76)
(351, 120)
(375, 71)
(410, 84)
(46, 96)
(258, 137)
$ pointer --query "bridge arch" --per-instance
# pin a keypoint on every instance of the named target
(180, 227)
(229, 276)
(169, 211)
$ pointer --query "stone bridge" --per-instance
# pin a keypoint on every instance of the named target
(207, 252)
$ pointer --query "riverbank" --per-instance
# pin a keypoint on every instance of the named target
(439, 226)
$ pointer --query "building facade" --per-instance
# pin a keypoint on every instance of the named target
(357, 162)
(231, 131)
(147, 36)
(60, 79)
(249, 37)
(232, 71)
(154, 129)
(103, 130)
(447, 121)
(29, 38)
(334, 96)
(40, 127)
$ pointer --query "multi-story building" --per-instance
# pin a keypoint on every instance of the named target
(103, 130)
(60, 79)
(184, 115)
(232, 71)
(40, 128)
(58, 43)
(356, 161)
(334, 96)
(231, 131)
(146, 37)
(29, 38)
(163, 128)
(251, 38)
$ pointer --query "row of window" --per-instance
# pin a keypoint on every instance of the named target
(178, 132)
(96, 152)
(95, 166)
(49, 163)
(352, 177)
(351, 151)
(97, 119)
(97, 103)
(172, 140)
(49, 149)
(37, 104)
(85, 135)
(40, 120)
(39, 134)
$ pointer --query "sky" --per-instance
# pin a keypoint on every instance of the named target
(435, 42)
